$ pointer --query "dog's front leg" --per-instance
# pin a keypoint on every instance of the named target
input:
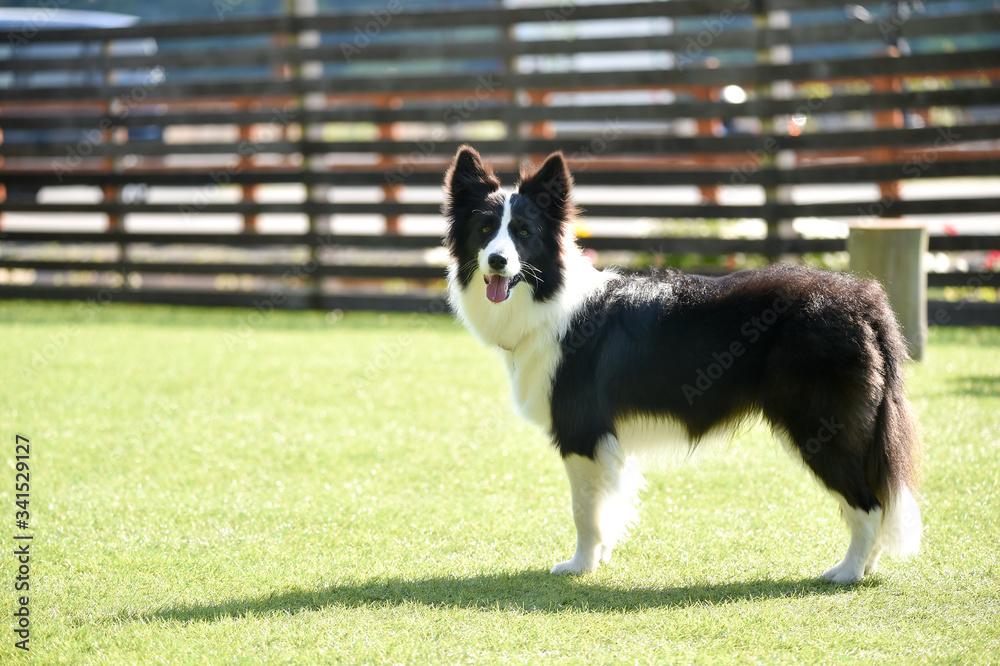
(605, 494)
(589, 484)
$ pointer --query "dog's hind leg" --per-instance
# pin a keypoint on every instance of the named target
(834, 448)
(605, 492)
(843, 475)
(863, 551)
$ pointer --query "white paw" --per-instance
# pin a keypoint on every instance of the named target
(606, 554)
(576, 566)
(843, 574)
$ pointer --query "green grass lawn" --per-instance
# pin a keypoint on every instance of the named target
(214, 486)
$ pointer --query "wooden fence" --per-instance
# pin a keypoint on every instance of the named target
(230, 166)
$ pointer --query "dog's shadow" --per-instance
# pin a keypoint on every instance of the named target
(527, 592)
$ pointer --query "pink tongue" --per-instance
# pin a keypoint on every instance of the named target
(496, 288)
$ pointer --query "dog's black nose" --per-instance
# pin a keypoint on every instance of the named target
(497, 261)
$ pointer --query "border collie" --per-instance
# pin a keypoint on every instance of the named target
(617, 365)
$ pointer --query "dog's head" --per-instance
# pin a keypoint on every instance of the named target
(508, 240)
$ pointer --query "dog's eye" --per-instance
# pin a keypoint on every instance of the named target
(523, 233)
(486, 229)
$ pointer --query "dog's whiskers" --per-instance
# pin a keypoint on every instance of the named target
(533, 271)
(470, 264)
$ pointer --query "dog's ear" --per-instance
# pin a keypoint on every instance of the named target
(549, 188)
(467, 184)
(468, 179)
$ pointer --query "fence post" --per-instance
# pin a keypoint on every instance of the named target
(772, 158)
(893, 253)
(317, 193)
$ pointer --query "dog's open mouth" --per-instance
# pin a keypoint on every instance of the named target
(498, 287)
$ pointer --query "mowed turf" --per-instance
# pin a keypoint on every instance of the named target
(227, 486)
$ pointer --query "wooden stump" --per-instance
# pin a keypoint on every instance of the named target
(893, 254)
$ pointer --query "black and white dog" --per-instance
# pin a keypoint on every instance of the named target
(615, 365)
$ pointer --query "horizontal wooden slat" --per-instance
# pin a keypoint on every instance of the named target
(66, 158)
(963, 313)
(231, 27)
(421, 271)
(504, 49)
(892, 207)
(376, 52)
(917, 25)
(960, 313)
(446, 113)
(450, 18)
(234, 26)
(491, 81)
(656, 210)
(627, 175)
(667, 245)
(867, 173)
(950, 313)
(284, 300)
(957, 279)
(240, 207)
(414, 272)
(289, 299)
(229, 240)
(808, 4)
(402, 303)
(714, 245)
(672, 245)
(417, 272)
(964, 243)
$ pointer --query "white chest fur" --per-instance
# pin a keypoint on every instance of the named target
(530, 332)
(531, 367)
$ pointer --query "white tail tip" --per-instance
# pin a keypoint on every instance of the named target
(901, 528)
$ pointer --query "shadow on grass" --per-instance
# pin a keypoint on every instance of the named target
(528, 592)
(977, 385)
